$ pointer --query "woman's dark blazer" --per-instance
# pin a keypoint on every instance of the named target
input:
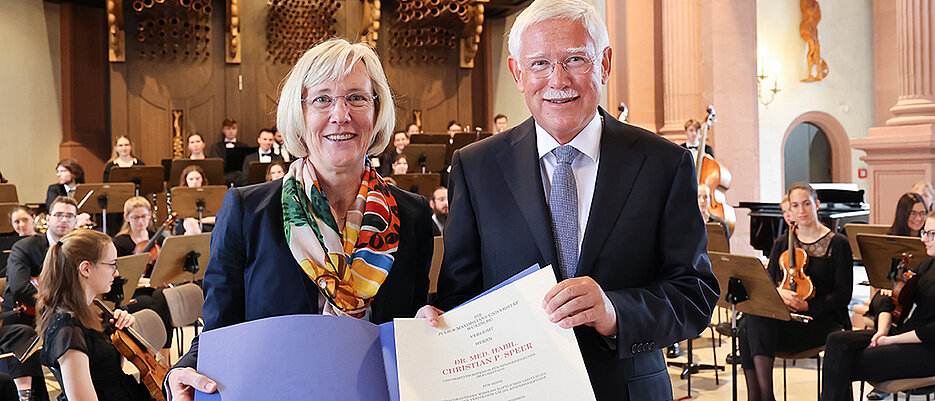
(251, 273)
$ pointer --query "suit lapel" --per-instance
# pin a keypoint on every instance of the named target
(520, 167)
(616, 172)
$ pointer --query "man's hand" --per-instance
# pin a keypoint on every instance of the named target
(183, 382)
(793, 301)
(578, 301)
(430, 313)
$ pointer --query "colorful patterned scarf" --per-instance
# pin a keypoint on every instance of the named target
(367, 245)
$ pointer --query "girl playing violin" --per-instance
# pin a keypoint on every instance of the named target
(831, 273)
(905, 350)
(77, 269)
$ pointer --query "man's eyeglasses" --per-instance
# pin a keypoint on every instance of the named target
(64, 216)
(576, 65)
(353, 101)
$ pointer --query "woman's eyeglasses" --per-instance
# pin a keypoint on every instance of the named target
(353, 101)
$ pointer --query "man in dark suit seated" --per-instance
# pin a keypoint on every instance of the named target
(229, 129)
(693, 137)
(264, 154)
(610, 206)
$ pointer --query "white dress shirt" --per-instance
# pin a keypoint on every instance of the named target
(588, 142)
(265, 157)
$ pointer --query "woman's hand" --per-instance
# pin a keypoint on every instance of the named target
(430, 313)
(182, 383)
(793, 301)
(122, 319)
(886, 292)
(875, 340)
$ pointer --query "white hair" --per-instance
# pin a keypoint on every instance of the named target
(574, 10)
(332, 60)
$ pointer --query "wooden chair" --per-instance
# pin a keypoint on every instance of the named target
(807, 354)
(916, 386)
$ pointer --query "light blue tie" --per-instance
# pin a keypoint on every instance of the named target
(563, 205)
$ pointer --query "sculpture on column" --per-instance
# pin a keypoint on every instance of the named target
(808, 30)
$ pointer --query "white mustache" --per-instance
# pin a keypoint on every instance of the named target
(559, 94)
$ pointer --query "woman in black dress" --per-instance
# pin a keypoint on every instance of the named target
(905, 350)
(910, 215)
(830, 268)
(123, 156)
(77, 269)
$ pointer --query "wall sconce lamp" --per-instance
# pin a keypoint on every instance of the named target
(766, 96)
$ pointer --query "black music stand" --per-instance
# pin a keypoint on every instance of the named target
(8, 193)
(881, 254)
(746, 288)
(108, 196)
(131, 268)
(147, 179)
(422, 184)
(198, 202)
(425, 158)
(439, 139)
(213, 168)
(256, 173)
(183, 258)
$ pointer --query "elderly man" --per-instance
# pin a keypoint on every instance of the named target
(611, 207)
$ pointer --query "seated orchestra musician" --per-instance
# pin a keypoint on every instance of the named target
(23, 220)
(133, 236)
(194, 177)
(830, 268)
(897, 348)
(275, 171)
(413, 129)
(27, 255)
(69, 174)
(81, 266)
(264, 154)
(123, 156)
(196, 146)
(400, 165)
(400, 141)
(279, 146)
(335, 109)
(693, 139)
(910, 215)
(786, 210)
(704, 201)
(927, 192)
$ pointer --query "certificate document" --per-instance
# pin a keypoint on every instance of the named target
(500, 346)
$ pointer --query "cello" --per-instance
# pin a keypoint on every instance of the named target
(140, 353)
(714, 175)
(793, 262)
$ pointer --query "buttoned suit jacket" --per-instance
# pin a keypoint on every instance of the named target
(644, 244)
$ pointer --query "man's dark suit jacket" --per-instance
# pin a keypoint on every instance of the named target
(219, 149)
(255, 157)
(54, 191)
(25, 262)
(644, 245)
(707, 148)
(251, 273)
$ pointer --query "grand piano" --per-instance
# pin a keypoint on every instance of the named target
(840, 204)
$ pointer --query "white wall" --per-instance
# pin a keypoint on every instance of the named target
(507, 99)
(30, 107)
(847, 93)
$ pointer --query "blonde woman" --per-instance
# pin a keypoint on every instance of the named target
(123, 156)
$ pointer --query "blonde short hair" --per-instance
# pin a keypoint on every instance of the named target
(332, 60)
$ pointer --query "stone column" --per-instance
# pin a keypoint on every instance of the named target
(900, 153)
(681, 63)
(915, 41)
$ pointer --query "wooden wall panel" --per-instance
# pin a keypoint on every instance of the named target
(208, 90)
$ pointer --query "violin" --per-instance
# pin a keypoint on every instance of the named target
(793, 262)
(714, 175)
(152, 247)
(904, 286)
(140, 353)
